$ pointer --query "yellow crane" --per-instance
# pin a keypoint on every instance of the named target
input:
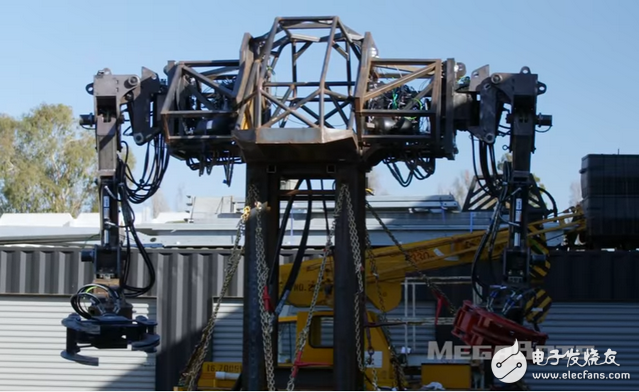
(386, 269)
(392, 264)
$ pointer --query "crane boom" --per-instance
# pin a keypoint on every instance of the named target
(392, 266)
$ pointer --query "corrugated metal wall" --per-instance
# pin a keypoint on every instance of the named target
(189, 279)
(602, 325)
(593, 276)
(31, 339)
(226, 344)
(187, 282)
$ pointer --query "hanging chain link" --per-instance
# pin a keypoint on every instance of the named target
(383, 318)
(301, 343)
(371, 359)
(262, 283)
(409, 260)
(191, 375)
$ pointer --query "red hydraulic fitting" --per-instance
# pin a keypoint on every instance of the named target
(476, 326)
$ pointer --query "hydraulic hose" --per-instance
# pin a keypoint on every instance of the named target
(494, 225)
(555, 211)
(282, 231)
(299, 257)
(483, 163)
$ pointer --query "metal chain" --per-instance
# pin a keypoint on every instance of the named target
(191, 375)
(409, 260)
(262, 276)
(397, 367)
(371, 358)
(382, 317)
(357, 260)
(301, 343)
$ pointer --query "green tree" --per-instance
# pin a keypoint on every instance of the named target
(47, 163)
(459, 188)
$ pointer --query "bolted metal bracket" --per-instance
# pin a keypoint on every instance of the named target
(144, 96)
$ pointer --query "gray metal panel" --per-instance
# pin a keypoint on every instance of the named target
(187, 280)
(602, 325)
(58, 270)
(31, 339)
(603, 276)
(36, 270)
(227, 335)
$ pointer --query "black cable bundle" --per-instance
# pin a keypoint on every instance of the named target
(414, 166)
(85, 293)
(154, 169)
(132, 191)
(129, 219)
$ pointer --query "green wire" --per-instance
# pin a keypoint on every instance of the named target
(421, 106)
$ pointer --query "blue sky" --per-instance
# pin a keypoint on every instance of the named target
(580, 49)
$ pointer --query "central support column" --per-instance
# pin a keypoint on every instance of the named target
(345, 369)
(267, 181)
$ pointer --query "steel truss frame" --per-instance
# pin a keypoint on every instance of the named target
(241, 97)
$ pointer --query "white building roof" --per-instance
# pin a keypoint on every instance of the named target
(212, 222)
(172, 217)
(41, 220)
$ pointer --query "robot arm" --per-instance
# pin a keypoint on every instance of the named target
(520, 92)
(509, 298)
(108, 320)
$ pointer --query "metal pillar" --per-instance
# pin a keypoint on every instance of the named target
(108, 262)
(252, 356)
(345, 369)
(272, 223)
(267, 182)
